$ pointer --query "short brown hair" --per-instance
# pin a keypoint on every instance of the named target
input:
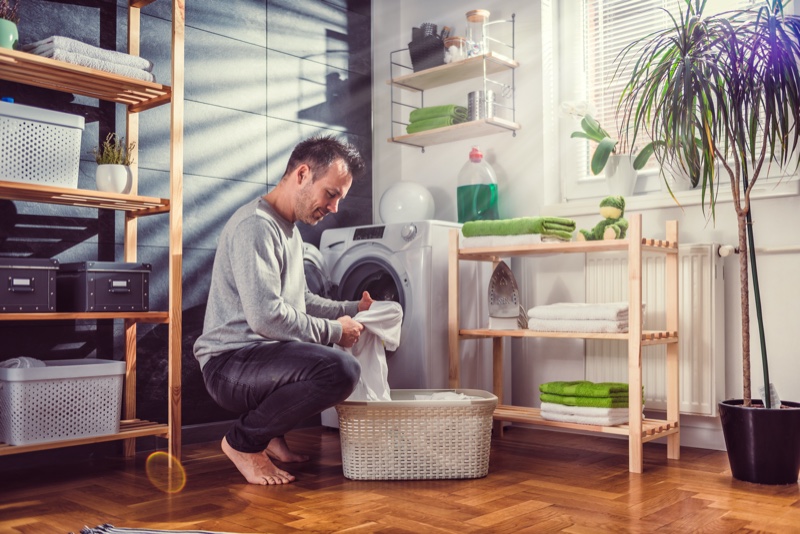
(320, 152)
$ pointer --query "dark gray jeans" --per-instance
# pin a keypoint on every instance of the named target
(275, 386)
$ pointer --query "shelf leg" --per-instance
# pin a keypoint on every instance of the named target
(454, 372)
(635, 453)
(673, 349)
(497, 378)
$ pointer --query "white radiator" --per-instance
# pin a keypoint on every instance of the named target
(700, 326)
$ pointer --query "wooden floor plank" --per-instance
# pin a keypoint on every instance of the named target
(539, 481)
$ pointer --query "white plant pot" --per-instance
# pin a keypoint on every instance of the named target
(676, 177)
(620, 175)
(114, 178)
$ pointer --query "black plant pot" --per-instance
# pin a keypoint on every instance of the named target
(763, 445)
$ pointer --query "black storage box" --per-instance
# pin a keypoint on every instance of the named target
(90, 286)
(29, 285)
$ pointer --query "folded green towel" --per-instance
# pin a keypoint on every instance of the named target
(430, 124)
(554, 226)
(434, 112)
(594, 402)
(584, 388)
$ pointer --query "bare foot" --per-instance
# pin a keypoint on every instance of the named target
(279, 450)
(256, 467)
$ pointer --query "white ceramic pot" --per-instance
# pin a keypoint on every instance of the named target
(677, 178)
(114, 178)
(620, 175)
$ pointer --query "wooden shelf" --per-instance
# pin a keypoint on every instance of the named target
(457, 132)
(136, 205)
(135, 428)
(494, 253)
(459, 71)
(30, 69)
(139, 317)
(651, 428)
(649, 337)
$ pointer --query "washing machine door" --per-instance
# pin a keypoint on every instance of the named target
(373, 268)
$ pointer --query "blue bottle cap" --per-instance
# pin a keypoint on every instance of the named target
(7, 99)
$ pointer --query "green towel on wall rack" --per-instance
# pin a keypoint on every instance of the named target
(430, 124)
(584, 388)
(435, 112)
(594, 402)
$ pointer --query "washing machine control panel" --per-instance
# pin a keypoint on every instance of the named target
(368, 232)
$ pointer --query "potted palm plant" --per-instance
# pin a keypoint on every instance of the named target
(732, 82)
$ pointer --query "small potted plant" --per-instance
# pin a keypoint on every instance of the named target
(9, 18)
(114, 158)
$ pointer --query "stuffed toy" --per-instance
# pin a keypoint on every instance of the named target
(613, 225)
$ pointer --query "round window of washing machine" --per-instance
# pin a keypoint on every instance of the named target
(375, 276)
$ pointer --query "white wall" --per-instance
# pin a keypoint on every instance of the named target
(523, 162)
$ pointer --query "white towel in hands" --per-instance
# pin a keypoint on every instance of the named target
(608, 311)
(45, 48)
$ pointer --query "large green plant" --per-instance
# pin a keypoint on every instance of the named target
(731, 81)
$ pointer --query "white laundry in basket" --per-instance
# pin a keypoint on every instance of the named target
(381, 332)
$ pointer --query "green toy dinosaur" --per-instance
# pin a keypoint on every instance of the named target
(613, 226)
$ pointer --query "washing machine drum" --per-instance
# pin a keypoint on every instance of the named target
(316, 281)
(377, 277)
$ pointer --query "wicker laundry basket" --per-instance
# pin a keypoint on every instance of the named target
(407, 439)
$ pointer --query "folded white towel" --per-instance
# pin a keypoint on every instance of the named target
(45, 46)
(553, 408)
(22, 362)
(600, 420)
(578, 325)
(608, 311)
(99, 64)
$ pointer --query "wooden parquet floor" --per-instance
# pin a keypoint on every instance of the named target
(538, 481)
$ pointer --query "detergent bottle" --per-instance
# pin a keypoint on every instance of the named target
(476, 195)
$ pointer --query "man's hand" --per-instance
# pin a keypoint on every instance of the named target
(365, 302)
(351, 331)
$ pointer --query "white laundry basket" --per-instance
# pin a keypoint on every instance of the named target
(67, 399)
(406, 439)
(39, 146)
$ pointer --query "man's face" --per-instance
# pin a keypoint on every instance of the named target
(317, 198)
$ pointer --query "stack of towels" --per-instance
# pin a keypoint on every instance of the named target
(79, 53)
(607, 317)
(584, 402)
(435, 117)
(554, 227)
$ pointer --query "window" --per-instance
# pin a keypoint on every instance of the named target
(591, 34)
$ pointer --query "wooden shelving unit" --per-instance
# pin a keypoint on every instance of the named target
(137, 96)
(638, 430)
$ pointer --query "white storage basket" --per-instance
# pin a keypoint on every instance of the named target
(407, 439)
(39, 146)
(65, 400)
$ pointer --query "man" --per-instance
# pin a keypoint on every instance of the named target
(264, 349)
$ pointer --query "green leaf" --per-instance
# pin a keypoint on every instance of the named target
(604, 149)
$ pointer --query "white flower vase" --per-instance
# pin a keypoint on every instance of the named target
(114, 178)
(620, 175)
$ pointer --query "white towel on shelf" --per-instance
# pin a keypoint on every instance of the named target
(99, 64)
(46, 46)
(591, 411)
(608, 311)
(578, 325)
(22, 362)
(381, 332)
(600, 420)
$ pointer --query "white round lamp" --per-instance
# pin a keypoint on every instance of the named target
(406, 202)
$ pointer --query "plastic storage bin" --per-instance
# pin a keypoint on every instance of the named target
(67, 399)
(39, 146)
(407, 439)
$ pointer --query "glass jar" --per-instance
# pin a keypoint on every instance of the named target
(476, 32)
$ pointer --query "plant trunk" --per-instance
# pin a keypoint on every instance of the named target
(745, 297)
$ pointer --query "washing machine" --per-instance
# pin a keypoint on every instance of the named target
(408, 263)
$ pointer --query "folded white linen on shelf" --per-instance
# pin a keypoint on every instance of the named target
(607, 311)
(552, 407)
(503, 240)
(600, 420)
(99, 64)
(45, 46)
(578, 325)
(22, 362)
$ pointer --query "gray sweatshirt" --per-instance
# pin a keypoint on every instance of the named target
(258, 288)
